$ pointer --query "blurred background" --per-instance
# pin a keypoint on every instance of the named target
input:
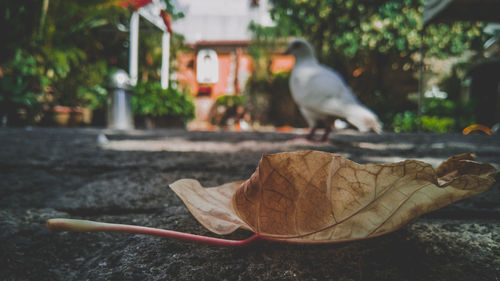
(420, 65)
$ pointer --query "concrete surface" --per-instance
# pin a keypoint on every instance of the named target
(46, 173)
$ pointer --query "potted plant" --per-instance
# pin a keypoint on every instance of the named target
(22, 88)
(155, 107)
(80, 95)
(94, 98)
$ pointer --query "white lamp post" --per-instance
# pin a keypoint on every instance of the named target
(165, 57)
(134, 48)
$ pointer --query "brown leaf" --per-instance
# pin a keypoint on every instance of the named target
(212, 206)
(319, 197)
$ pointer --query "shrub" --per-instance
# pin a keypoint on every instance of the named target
(230, 100)
(272, 101)
(228, 109)
(405, 122)
(21, 87)
(438, 116)
(437, 124)
(149, 99)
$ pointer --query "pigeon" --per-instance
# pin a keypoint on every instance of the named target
(322, 94)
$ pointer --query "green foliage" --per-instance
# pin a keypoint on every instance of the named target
(78, 42)
(355, 28)
(60, 62)
(405, 122)
(21, 84)
(272, 101)
(230, 100)
(462, 113)
(69, 50)
(438, 124)
(265, 44)
(408, 122)
(374, 44)
(86, 88)
(93, 97)
(18, 22)
(151, 100)
(438, 116)
(66, 43)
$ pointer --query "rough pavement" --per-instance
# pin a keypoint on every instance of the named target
(46, 173)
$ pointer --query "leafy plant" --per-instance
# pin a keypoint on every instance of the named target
(438, 116)
(408, 122)
(151, 99)
(272, 101)
(74, 44)
(230, 100)
(405, 122)
(317, 197)
(373, 44)
(93, 97)
(21, 86)
(438, 124)
(20, 83)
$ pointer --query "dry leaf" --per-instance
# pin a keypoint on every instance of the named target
(213, 207)
(319, 197)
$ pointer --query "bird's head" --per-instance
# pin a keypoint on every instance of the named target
(300, 49)
(364, 119)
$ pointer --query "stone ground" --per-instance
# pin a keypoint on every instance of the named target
(46, 173)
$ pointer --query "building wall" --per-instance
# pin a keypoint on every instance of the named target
(282, 63)
(220, 19)
(186, 74)
(221, 25)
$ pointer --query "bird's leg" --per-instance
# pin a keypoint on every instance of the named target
(328, 130)
(310, 136)
(329, 126)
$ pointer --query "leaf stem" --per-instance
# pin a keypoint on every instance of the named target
(74, 225)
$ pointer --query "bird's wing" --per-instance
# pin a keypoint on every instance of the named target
(323, 90)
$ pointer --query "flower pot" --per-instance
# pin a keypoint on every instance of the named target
(154, 122)
(60, 115)
(65, 116)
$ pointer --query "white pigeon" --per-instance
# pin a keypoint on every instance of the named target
(322, 95)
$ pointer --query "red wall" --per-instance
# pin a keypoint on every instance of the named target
(186, 73)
